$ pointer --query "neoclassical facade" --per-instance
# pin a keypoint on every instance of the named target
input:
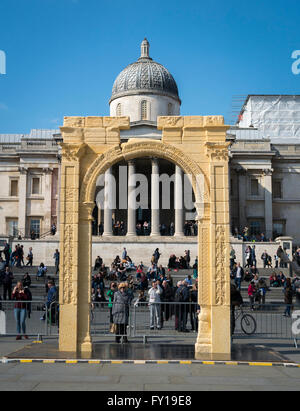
(263, 166)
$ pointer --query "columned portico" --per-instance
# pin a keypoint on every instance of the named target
(155, 198)
(131, 212)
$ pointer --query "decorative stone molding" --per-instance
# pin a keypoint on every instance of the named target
(220, 273)
(268, 171)
(217, 151)
(69, 296)
(48, 170)
(169, 122)
(213, 121)
(23, 170)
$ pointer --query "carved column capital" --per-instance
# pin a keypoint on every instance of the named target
(72, 152)
(217, 151)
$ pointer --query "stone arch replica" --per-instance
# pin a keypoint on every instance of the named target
(196, 144)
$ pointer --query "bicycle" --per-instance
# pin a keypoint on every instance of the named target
(248, 323)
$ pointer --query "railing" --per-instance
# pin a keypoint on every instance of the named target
(271, 322)
(40, 320)
(146, 321)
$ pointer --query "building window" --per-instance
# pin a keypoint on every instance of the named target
(35, 188)
(254, 187)
(144, 110)
(12, 227)
(35, 227)
(278, 228)
(14, 188)
(170, 109)
(119, 110)
(277, 189)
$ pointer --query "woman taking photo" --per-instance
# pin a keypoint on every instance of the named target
(20, 295)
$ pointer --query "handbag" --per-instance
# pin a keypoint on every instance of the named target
(113, 328)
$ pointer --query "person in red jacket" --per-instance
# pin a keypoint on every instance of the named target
(251, 293)
(20, 296)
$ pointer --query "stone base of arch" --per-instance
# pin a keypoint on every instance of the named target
(196, 144)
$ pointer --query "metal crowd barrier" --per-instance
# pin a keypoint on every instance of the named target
(173, 319)
(40, 321)
(269, 319)
(168, 320)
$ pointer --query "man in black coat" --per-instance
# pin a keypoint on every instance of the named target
(182, 297)
(7, 283)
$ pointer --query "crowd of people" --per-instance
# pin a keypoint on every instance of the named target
(126, 283)
(21, 293)
(246, 235)
(257, 287)
(119, 228)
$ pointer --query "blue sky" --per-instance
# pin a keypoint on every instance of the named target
(63, 55)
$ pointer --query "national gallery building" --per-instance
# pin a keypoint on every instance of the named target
(264, 170)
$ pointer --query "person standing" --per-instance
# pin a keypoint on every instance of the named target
(156, 255)
(29, 257)
(252, 293)
(20, 309)
(52, 298)
(124, 254)
(110, 294)
(120, 312)
(6, 252)
(7, 283)
(154, 304)
(239, 274)
(182, 297)
(288, 297)
(56, 260)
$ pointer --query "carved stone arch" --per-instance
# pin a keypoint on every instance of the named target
(138, 149)
(91, 146)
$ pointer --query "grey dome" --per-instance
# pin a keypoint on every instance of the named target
(143, 77)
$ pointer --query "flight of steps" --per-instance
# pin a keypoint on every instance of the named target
(37, 286)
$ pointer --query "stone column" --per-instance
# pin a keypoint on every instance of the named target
(75, 256)
(22, 201)
(178, 202)
(268, 203)
(155, 198)
(108, 203)
(48, 198)
(131, 212)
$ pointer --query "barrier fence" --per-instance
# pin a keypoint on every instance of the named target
(40, 320)
(146, 321)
